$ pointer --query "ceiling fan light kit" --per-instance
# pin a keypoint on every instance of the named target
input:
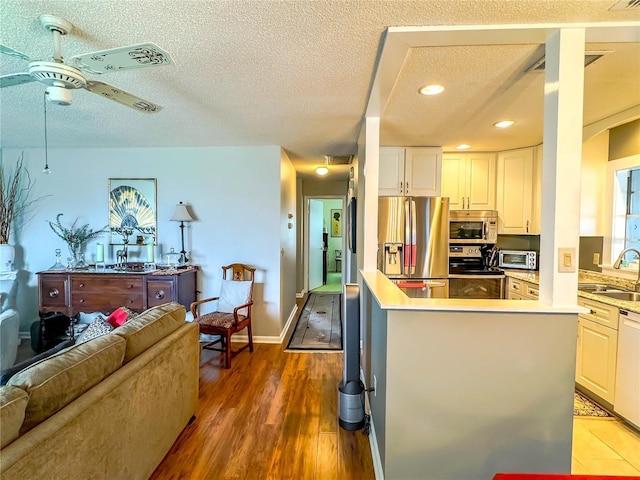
(61, 77)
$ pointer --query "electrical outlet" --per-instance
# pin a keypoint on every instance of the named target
(596, 258)
(375, 386)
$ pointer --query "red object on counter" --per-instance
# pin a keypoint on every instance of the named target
(555, 476)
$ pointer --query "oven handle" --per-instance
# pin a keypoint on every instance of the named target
(484, 229)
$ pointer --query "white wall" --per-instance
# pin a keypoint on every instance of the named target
(595, 155)
(288, 237)
(235, 193)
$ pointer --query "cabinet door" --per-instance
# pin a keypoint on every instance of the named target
(423, 171)
(391, 176)
(160, 292)
(596, 358)
(514, 191)
(454, 176)
(481, 181)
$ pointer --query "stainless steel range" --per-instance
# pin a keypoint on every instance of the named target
(473, 274)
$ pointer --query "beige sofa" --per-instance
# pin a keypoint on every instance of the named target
(109, 408)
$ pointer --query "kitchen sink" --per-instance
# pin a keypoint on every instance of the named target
(628, 296)
(600, 288)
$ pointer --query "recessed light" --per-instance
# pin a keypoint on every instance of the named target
(504, 123)
(431, 90)
(322, 170)
(463, 146)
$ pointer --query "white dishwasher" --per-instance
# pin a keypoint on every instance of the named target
(627, 392)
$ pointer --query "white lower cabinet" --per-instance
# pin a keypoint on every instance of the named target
(597, 348)
(520, 290)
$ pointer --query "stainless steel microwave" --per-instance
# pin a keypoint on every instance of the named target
(522, 259)
(473, 227)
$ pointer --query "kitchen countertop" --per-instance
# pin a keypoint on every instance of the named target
(586, 276)
(390, 297)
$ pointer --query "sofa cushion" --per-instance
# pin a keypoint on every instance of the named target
(149, 327)
(58, 380)
(7, 373)
(13, 403)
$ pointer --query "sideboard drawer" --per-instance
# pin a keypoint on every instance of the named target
(99, 293)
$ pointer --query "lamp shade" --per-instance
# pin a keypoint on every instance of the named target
(181, 214)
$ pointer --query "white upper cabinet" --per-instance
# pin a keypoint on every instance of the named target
(515, 192)
(469, 180)
(415, 171)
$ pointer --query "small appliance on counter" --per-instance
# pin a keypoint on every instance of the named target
(520, 259)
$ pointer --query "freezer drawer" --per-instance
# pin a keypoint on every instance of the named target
(431, 288)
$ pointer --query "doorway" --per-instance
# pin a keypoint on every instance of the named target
(324, 244)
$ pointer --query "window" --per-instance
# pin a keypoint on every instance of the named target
(626, 212)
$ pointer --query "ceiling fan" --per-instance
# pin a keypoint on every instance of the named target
(61, 78)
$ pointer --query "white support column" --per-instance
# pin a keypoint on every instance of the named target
(370, 210)
(562, 155)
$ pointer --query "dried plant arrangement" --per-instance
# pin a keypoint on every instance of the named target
(16, 191)
(74, 236)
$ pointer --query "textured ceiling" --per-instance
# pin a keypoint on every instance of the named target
(298, 73)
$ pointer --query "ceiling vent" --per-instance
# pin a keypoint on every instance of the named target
(342, 160)
(589, 58)
(626, 5)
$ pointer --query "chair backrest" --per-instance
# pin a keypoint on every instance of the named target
(338, 254)
(239, 272)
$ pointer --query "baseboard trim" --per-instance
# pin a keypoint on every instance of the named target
(242, 337)
(301, 294)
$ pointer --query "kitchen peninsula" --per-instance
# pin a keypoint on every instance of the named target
(465, 389)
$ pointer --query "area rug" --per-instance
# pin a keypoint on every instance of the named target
(584, 407)
(319, 325)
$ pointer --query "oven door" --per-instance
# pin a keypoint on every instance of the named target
(467, 231)
(430, 288)
(476, 286)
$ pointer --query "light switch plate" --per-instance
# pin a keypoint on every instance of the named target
(566, 260)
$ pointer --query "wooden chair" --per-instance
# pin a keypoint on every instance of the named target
(233, 312)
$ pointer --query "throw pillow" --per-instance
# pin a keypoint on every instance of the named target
(119, 316)
(233, 294)
(95, 329)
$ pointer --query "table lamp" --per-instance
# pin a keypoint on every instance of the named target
(182, 215)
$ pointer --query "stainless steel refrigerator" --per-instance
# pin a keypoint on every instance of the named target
(413, 244)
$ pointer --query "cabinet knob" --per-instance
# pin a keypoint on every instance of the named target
(468, 203)
(130, 285)
(592, 312)
(82, 300)
(82, 285)
(160, 294)
(54, 292)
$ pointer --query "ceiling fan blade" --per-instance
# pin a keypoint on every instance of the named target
(123, 58)
(120, 96)
(15, 79)
(12, 52)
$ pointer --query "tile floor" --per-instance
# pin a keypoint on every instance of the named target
(605, 446)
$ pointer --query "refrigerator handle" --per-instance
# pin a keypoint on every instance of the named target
(414, 252)
(408, 253)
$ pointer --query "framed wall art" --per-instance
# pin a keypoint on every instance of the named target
(132, 210)
(336, 222)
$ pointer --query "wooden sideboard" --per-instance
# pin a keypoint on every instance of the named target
(71, 292)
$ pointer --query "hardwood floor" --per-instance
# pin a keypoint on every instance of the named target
(273, 415)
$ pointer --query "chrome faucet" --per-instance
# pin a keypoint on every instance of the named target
(619, 261)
